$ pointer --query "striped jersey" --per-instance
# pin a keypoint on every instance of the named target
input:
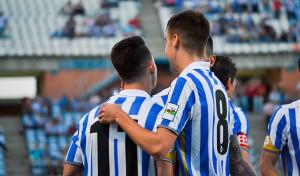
(284, 137)
(105, 149)
(161, 97)
(241, 124)
(198, 111)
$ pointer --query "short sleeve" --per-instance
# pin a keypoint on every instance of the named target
(74, 155)
(241, 124)
(278, 129)
(178, 108)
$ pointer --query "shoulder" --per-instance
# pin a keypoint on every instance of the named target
(162, 93)
(240, 112)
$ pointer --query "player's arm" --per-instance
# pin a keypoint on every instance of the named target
(72, 170)
(156, 144)
(166, 165)
(267, 164)
(243, 142)
(165, 168)
(237, 164)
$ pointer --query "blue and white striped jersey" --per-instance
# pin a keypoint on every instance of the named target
(241, 124)
(198, 111)
(161, 97)
(105, 149)
(284, 137)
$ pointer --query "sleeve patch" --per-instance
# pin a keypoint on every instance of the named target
(170, 111)
(243, 140)
(269, 146)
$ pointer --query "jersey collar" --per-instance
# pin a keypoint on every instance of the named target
(196, 65)
(134, 93)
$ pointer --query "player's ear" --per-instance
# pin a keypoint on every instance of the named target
(228, 84)
(176, 41)
(151, 67)
(212, 60)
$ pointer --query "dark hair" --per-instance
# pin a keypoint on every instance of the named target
(224, 69)
(130, 57)
(193, 29)
(209, 46)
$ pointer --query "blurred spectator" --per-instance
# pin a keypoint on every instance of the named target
(64, 103)
(293, 32)
(51, 128)
(72, 129)
(250, 93)
(255, 6)
(26, 106)
(36, 154)
(291, 10)
(95, 100)
(29, 121)
(78, 9)
(3, 25)
(2, 138)
(56, 109)
(86, 27)
(69, 29)
(268, 110)
(67, 8)
(277, 8)
(109, 30)
(259, 94)
(284, 37)
(40, 121)
(109, 3)
(135, 22)
(266, 6)
(275, 96)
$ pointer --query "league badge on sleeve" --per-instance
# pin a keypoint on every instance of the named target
(170, 111)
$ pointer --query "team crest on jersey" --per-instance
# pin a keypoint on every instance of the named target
(170, 111)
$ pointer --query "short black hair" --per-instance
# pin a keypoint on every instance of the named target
(209, 47)
(224, 69)
(193, 29)
(130, 57)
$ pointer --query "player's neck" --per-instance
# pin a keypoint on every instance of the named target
(184, 59)
(138, 86)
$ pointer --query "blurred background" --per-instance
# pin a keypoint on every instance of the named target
(55, 66)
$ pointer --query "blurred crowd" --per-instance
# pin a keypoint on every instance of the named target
(256, 96)
(234, 19)
(3, 25)
(47, 113)
(100, 24)
(49, 124)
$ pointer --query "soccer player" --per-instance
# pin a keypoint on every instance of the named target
(161, 97)
(225, 70)
(196, 114)
(283, 139)
(105, 149)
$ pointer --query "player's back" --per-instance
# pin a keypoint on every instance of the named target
(105, 148)
(203, 126)
(284, 136)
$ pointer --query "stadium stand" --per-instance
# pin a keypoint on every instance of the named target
(49, 126)
(32, 22)
(248, 31)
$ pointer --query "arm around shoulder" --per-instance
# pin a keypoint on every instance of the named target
(156, 144)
